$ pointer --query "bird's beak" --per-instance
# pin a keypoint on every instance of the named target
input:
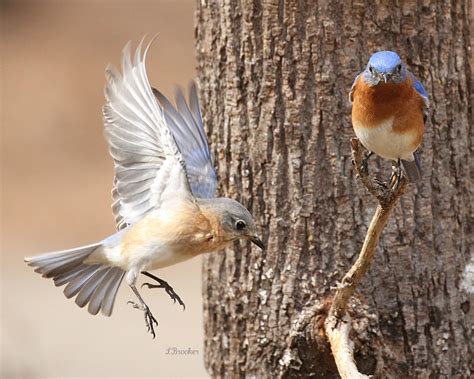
(386, 77)
(257, 241)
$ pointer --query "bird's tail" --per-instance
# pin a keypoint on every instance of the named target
(95, 284)
(412, 168)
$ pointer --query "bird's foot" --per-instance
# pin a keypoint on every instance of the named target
(397, 174)
(169, 290)
(365, 162)
(380, 182)
(150, 320)
(364, 166)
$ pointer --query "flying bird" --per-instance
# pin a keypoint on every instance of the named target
(163, 196)
(389, 108)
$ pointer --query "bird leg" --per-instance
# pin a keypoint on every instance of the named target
(397, 173)
(149, 319)
(365, 161)
(380, 182)
(364, 165)
(163, 284)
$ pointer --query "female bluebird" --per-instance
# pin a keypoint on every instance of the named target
(163, 196)
(388, 111)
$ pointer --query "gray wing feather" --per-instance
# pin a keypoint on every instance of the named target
(116, 205)
(187, 127)
(134, 176)
(147, 159)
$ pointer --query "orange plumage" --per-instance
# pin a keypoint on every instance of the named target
(372, 105)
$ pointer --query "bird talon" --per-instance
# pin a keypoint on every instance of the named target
(150, 321)
(135, 305)
(380, 183)
(365, 163)
(168, 289)
(364, 166)
(397, 175)
(151, 286)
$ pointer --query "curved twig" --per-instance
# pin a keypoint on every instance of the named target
(338, 323)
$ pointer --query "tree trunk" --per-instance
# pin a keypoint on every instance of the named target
(274, 79)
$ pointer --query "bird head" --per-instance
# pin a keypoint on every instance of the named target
(236, 220)
(384, 67)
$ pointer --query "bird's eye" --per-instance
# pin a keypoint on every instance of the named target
(399, 68)
(371, 70)
(240, 225)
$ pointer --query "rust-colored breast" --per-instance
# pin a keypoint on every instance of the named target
(373, 105)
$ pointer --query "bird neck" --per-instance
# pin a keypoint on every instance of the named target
(386, 92)
(220, 237)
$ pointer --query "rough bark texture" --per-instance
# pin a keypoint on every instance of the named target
(274, 79)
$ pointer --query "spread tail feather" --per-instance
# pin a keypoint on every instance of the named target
(412, 168)
(92, 283)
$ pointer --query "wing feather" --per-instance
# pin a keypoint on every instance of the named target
(150, 169)
(421, 90)
(186, 124)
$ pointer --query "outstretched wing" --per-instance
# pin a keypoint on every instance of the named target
(187, 127)
(149, 168)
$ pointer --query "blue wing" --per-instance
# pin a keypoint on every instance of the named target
(186, 125)
(421, 90)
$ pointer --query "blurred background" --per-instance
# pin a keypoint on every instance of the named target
(56, 182)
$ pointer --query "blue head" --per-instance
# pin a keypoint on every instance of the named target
(386, 67)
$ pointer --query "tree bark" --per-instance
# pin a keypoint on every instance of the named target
(274, 78)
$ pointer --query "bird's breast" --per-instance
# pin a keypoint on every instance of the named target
(166, 237)
(388, 119)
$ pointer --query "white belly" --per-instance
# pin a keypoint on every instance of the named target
(150, 256)
(167, 257)
(154, 254)
(384, 142)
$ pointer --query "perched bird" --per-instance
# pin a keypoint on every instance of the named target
(389, 112)
(163, 195)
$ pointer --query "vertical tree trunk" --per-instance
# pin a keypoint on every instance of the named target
(274, 79)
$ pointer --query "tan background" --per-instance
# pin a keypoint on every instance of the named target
(56, 181)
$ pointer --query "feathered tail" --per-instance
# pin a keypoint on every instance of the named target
(413, 168)
(92, 283)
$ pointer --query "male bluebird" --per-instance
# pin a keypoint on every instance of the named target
(388, 111)
(163, 195)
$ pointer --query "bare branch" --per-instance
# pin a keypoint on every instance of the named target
(337, 332)
(337, 325)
